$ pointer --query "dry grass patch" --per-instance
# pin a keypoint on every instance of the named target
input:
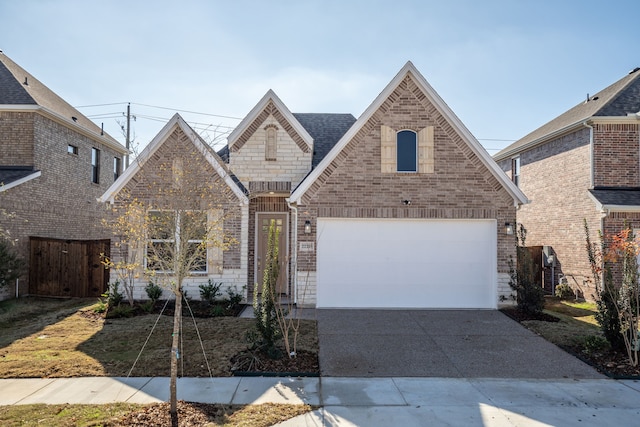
(122, 414)
(70, 340)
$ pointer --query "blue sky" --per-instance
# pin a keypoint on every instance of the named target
(505, 67)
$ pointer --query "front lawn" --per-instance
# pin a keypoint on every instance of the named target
(66, 338)
(577, 332)
(126, 414)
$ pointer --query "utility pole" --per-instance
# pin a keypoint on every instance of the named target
(126, 162)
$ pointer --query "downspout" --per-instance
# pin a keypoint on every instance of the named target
(591, 153)
(294, 253)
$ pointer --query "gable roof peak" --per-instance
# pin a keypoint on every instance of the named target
(256, 111)
(212, 157)
(443, 109)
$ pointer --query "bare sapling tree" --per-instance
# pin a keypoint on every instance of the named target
(129, 226)
(171, 223)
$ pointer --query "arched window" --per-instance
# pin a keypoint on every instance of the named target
(407, 151)
(270, 144)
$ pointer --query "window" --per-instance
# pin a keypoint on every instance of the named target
(173, 234)
(95, 165)
(72, 149)
(117, 165)
(407, 151)
(515, 171)
(270, 144)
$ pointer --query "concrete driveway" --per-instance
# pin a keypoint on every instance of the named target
(438, 343)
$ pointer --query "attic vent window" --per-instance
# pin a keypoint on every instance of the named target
(270, 143)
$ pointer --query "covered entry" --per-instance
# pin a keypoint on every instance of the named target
(406, 263)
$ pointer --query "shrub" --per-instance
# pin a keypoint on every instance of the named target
(147, 306)
(100, 307)
(154, 292)
(114, 296)
(606, 292)
(120, 311)
(529, 293)
(210, 292)
(11, 265)
(233, 297)
(264, 306)
(594, 344)
(218, 311)
(564, 291)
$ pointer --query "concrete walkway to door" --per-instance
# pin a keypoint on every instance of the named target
(438, 343)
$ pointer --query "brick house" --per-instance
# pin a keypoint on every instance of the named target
(582, 165)
(54, 164)
(399, 208)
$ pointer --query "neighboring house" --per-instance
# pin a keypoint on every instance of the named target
(582, 165)
(400, 208)
(54, 164)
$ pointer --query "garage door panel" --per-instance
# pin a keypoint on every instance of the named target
(406, 263)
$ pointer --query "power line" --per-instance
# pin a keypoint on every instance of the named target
(188, 111)
(99, 105)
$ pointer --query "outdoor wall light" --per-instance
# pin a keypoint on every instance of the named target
(508, 228)
(307, 227)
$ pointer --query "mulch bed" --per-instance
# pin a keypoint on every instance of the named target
(614, 364)
(519, 315)
(304, 364)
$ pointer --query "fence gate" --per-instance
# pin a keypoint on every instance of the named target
(67, 268)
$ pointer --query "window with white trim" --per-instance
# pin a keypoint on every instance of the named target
(177, 236)
(515, 171)
(407, 151)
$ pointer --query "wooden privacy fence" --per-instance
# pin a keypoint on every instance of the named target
(67, 268)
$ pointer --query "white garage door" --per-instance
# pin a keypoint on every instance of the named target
(399, 263)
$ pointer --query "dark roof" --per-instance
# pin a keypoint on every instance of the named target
(618, 196)
(9, 174)
(224, 153)
(12, 92)
(619, 99)
(326, 129)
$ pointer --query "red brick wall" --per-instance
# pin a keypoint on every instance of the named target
(16, 137)
(616, 150)
(556, 177)
(461, 187)
(61, 203)
(156, 174)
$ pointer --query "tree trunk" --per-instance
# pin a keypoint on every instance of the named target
(177, 319)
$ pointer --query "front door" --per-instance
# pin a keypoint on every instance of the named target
(262, 231)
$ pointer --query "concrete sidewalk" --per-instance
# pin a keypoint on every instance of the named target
(368, 401)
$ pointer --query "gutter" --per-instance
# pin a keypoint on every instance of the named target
(294, 253)
(591, 154)
(545, 138)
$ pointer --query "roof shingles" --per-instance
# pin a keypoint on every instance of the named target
(618, 99)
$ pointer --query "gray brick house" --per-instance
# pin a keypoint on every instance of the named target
(584, 164)
(54, 164)
(399, 208)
